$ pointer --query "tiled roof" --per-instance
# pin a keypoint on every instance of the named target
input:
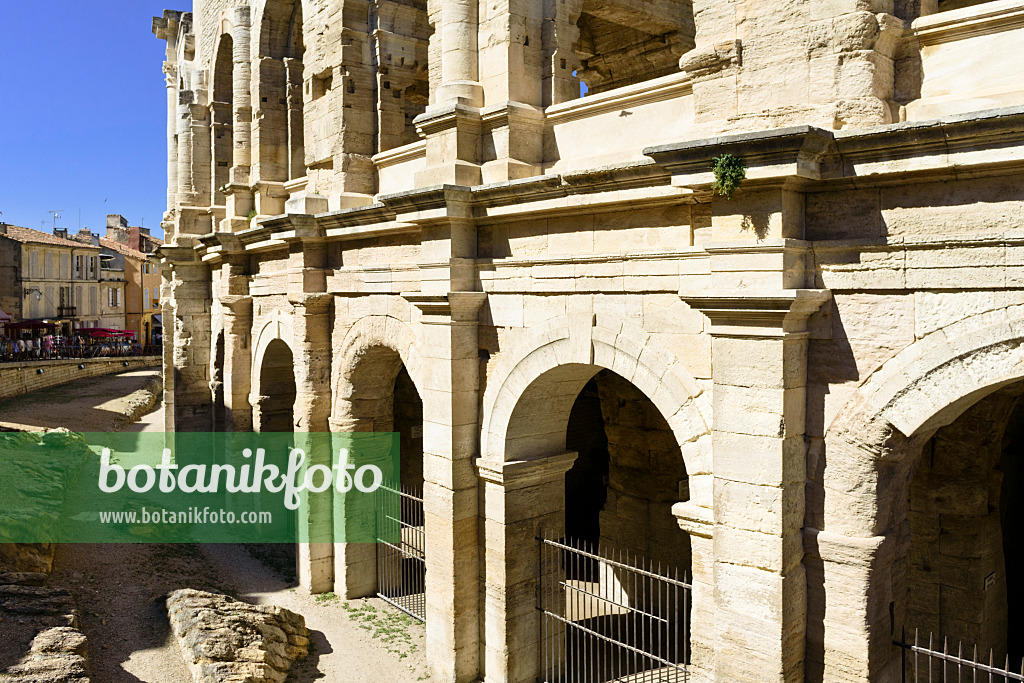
(123, 249)
(28, 235)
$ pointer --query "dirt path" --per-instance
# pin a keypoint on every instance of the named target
(95, 404)
(354, 642)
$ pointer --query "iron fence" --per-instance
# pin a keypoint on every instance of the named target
(611, 616)
(401, 550)
(927, 663)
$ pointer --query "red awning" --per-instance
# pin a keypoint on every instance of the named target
(5, 317)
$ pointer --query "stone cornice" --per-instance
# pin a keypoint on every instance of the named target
(968, 22)
(756, 312)
(453, 306)
(773, 155)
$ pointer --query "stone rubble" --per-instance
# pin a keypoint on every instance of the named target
(224, 640)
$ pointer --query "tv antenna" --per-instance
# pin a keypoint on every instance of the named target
(56, 214)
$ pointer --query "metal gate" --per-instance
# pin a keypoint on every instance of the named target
(610, 616)
(927, 662)
(401, 545)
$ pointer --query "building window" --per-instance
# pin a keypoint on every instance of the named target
(145, 297)
(33, 265)
(92, 301)
(64, 274)
(113, 297)
(49, 266)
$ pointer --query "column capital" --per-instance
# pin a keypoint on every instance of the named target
(515, 474)
(756, 312)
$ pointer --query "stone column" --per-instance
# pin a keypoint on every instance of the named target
(237, 362)
(239, 194)
(459, 63)
(241, 36)
(759, 352)
(186, 189)
(171, 79)
(450, 398)
(312, 348)
(521, 499)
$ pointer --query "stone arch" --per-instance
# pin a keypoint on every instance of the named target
(222, 114)
(856, 517)
(280, 38)
(926, 386)
(575, 353)
(365, 350)
(277, 326)
(366, 380)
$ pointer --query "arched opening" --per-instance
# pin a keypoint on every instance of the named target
(614, 592)
(401, 46)
(381, 397)
(216, 382)
(282, 149)
(966, 527)
(222, 108)
(628, 473)
(277, 387)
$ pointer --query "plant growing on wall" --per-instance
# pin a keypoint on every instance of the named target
(729, 172)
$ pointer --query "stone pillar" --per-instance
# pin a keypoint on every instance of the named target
(521, 499)
(171, 78)
(239, 194)
(186, 189)
(459, 62)
(759, 352)
(312, 348)
(450, 399)
(237, 362)
(849, 635)
(187, 316)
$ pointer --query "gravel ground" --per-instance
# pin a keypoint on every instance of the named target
(119, 589)
(95, 404)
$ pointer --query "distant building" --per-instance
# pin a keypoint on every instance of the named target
(49, 277)
(142, 294)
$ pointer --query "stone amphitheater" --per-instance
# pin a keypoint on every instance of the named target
(506, 231)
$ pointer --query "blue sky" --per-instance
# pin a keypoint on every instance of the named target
(83, 112)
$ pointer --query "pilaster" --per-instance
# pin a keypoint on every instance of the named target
(759, 357)
(312, 407)
(450, 392)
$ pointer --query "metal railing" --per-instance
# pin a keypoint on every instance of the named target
(401, 550)
(927, 663)
(610, 616)
(9, 353)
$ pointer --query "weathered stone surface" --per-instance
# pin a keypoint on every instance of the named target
(57, 655)
(224, 640)
(504, 240)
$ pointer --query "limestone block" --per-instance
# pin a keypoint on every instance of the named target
(765, 509)
(759, 460)
(758, 411)
(773, 363)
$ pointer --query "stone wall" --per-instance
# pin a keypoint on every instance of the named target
(785, 352)
(25, 377)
